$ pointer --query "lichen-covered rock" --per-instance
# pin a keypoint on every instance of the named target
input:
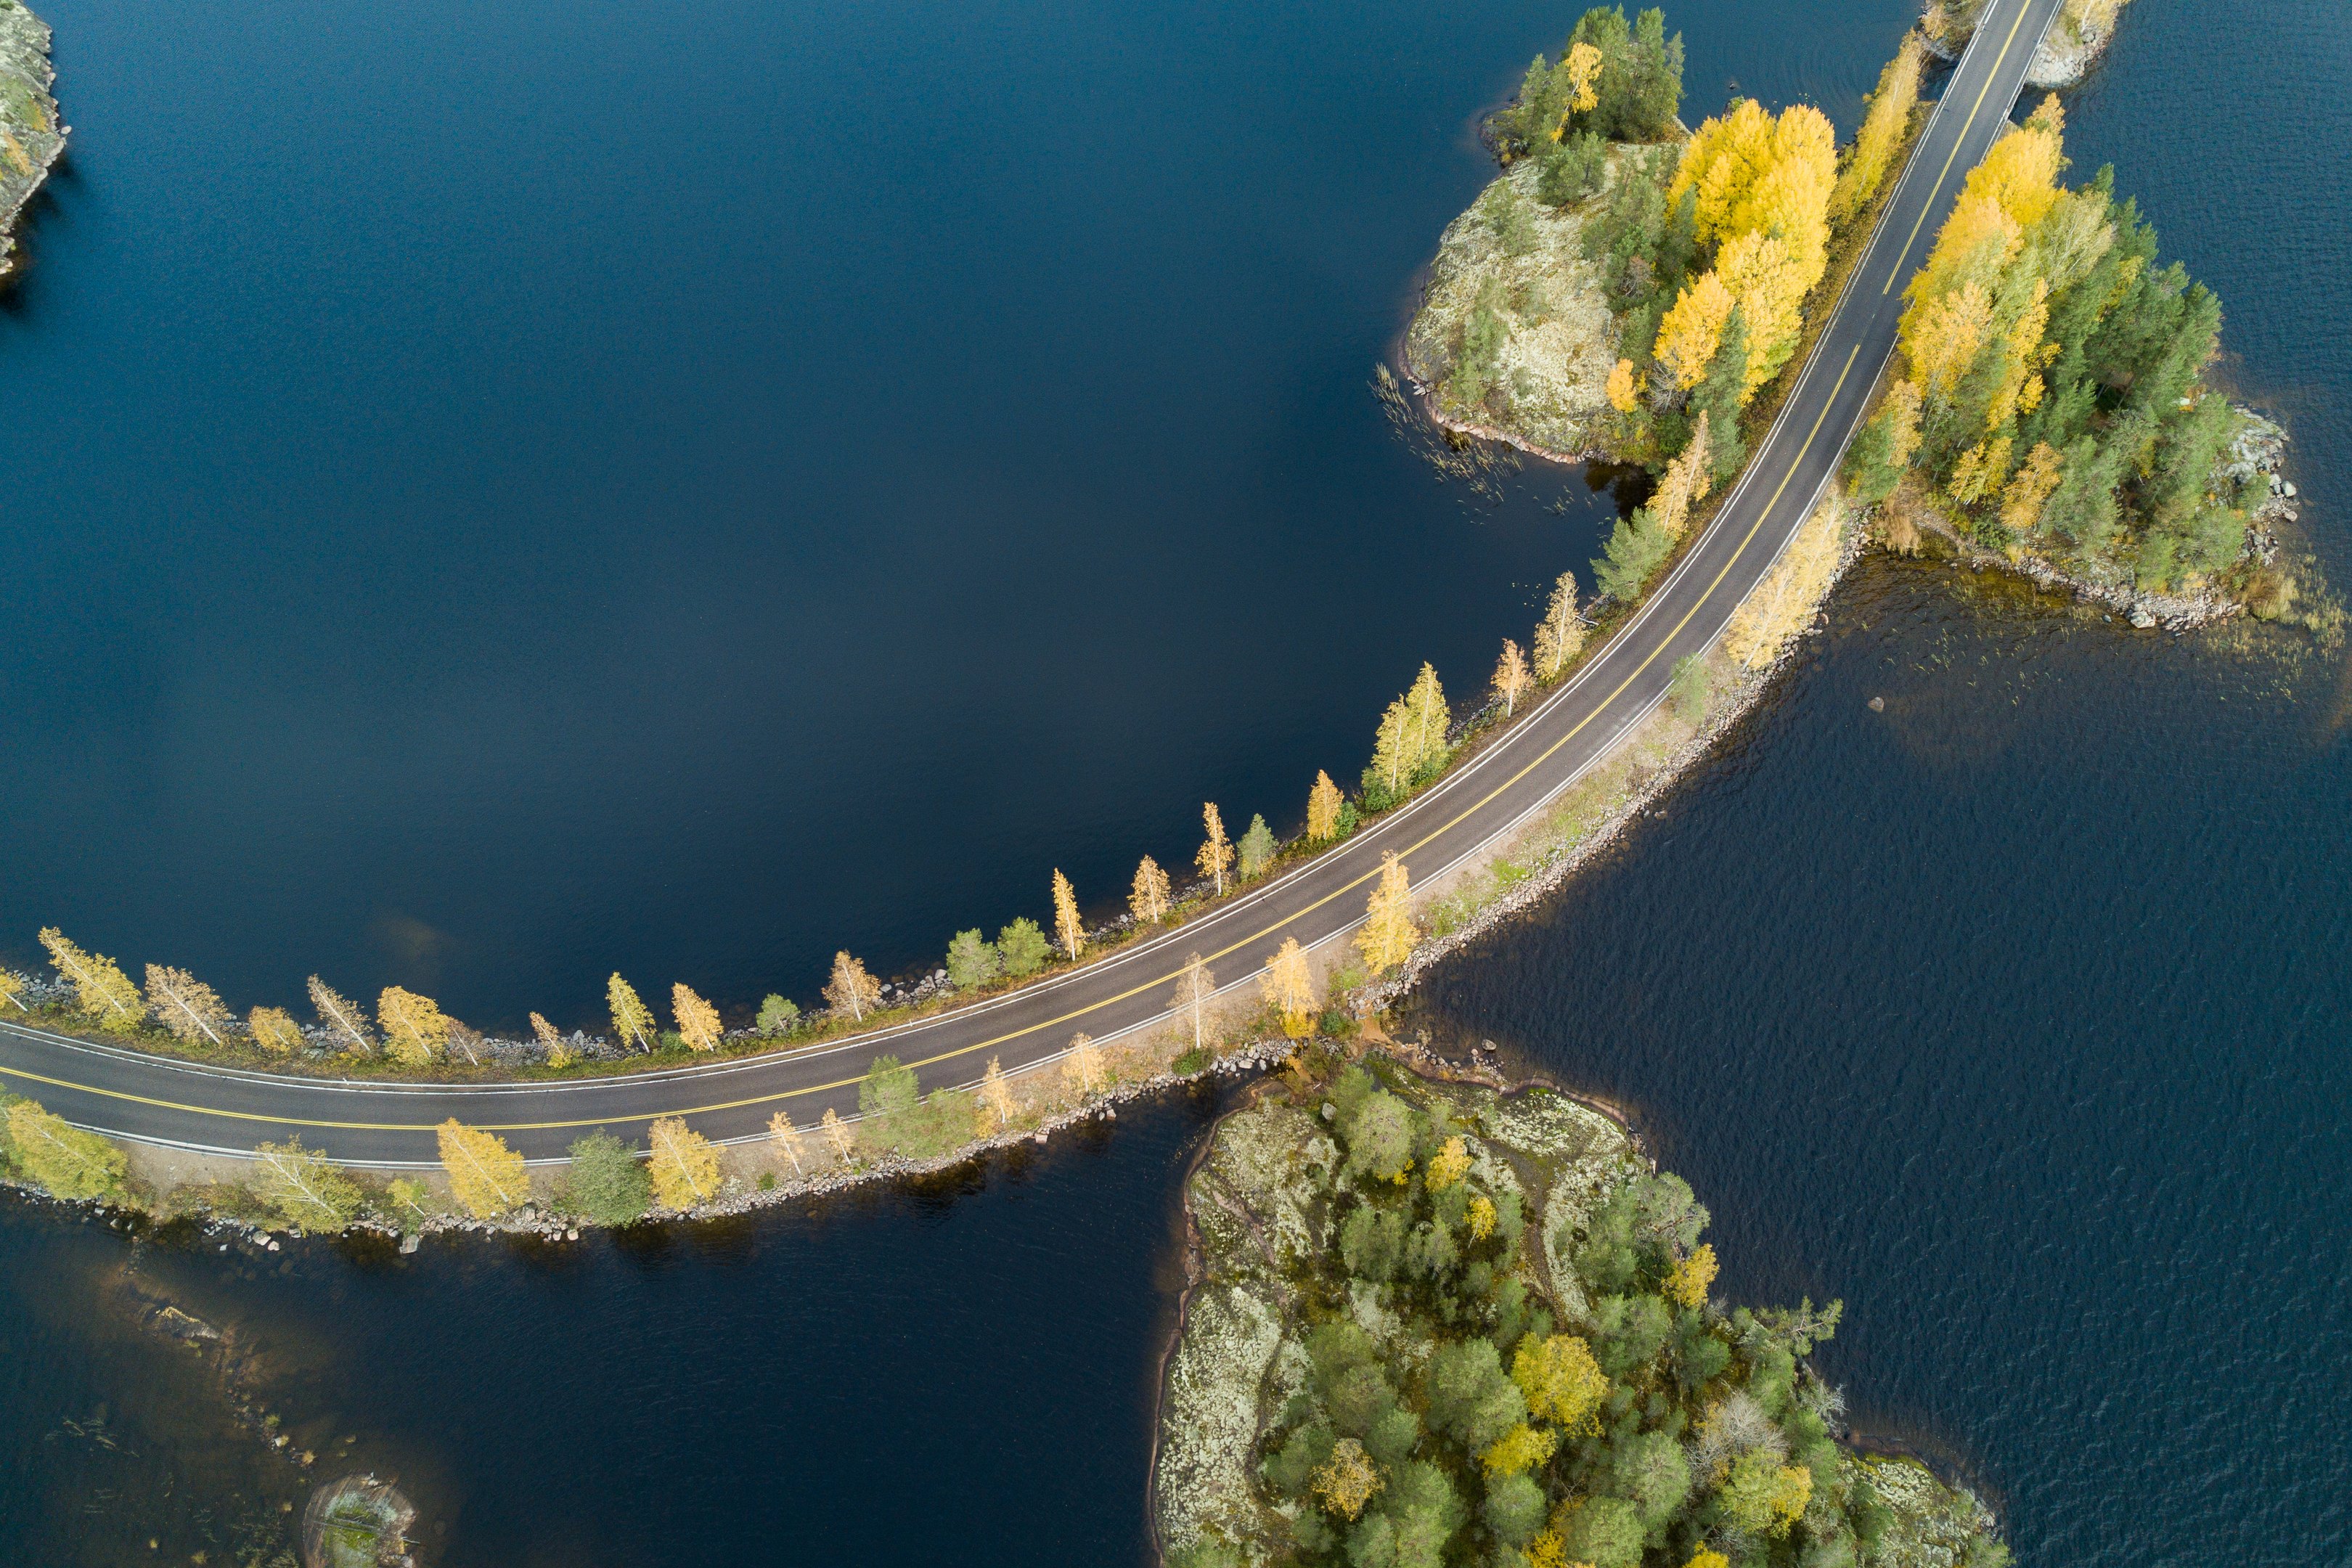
(1934, 1525)
(30, 136)
(1547, 389)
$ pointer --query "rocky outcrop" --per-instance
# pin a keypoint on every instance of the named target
(30, 136)
(1544, 390)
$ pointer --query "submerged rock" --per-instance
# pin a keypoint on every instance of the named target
(358, 1522)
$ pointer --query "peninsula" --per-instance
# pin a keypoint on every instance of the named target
(1443, 1323)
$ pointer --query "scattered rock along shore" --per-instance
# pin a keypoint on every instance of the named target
(30, 135)
(1264, 1206)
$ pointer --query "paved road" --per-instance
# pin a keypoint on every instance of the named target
(153, 1099)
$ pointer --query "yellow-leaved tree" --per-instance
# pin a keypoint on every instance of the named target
(1449, 1164)
(1562, 1383)
(1387, 937)
(1083, 1067)
(102, 993)
(683, 1163)
(837, 1133)
(184, 1005)
(1559, 634)
(414, 1028)
(996, 1094)
(275, 1031)
(1322, 809)
(1686, 1282)
(1068, 930)
(2030, 486)
(559, 1050)
(1884, 126)
(697, 1020)
(633, 1021)
(345, 1020)
(787, 1139)
(1216, 853)
(1288, 985)
(304, 1188)
(1147, 900)
(62, 1158)
(1512, 676)
(12, 990)
(1783, 604)
(1693, 329)
(484, 1176)
(1624, 392)
(1519, 1449)
(1583, 64)
(1348, 1480)
(1688, 480)
(1194, 986)
(851, 987)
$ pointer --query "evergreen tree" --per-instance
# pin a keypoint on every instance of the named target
(1255, 850)
(608, 1182)
(972, 960)
(1023, 947)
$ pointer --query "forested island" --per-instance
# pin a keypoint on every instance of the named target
(1436, 1322)
(1629, 292)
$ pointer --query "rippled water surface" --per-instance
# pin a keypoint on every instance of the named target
(685, 467)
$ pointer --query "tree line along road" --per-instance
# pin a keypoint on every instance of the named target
(147, 1099)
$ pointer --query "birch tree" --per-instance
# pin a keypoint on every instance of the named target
(852, 987)
(414, 1028)
(1194, 986)
(697, 1020)
(996, 1094)
(303, 1187)
(1388, 935)
(633, 1021)
(275, 1031)
(1067, 928)
(1560, 634)
(836, 1132)
(62, 1158)
(1082, 1068)
(12, 990)
(1392, 756)
(1288, 985)
(684, 1164)
(1148, 900)
(484, 1176)
(1512, 677)
(1216, 853)
(184, 1005)
(787, 1140)
(558, 1049)
(102, 993)
(1323, 809)
(344, 1020)
(1430, 716)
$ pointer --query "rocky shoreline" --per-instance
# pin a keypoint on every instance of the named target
(2078, 36)
(31, 139)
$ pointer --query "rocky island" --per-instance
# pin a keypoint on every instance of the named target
(1433, 1322)
(30, 136)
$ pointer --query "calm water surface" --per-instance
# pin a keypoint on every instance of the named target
(684, 488)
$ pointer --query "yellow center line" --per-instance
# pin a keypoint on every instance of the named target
(1959, 137)
(1419, 844)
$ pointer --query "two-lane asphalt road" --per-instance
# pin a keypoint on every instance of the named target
(154, 1100)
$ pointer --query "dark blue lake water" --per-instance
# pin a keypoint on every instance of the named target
(503, 494)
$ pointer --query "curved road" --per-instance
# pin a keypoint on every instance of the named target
(153, 1099)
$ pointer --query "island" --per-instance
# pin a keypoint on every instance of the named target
(1437, 1321)
(30, 136)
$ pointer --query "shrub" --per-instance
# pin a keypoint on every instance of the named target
(608, 1184)
(1691, 685)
